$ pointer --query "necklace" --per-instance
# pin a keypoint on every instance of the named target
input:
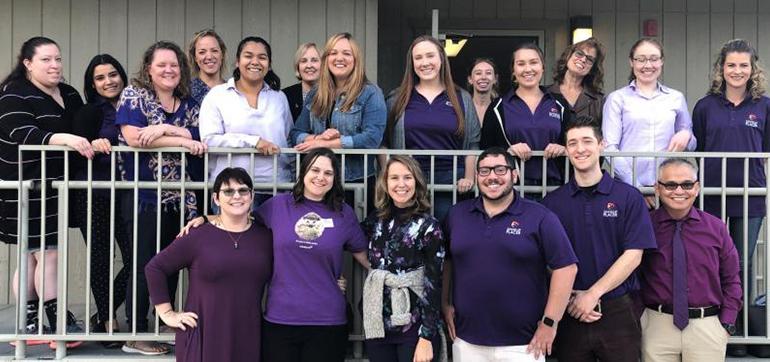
(235, 240)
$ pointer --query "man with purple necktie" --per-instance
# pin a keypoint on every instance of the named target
(690, 285)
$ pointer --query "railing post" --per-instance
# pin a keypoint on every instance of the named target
(23, 246)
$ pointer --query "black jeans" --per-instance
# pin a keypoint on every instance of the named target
(288, 343)
(146, 244)
(399, 348)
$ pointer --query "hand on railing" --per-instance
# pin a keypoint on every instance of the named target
(148, 135)
(464, 185)
(554, 150)
(268, 148)
(101, 145)
(521, 150)
(80, 144)
(196, 148)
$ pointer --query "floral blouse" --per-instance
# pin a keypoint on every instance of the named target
(198, 90)
(403, 244)
(139, 107)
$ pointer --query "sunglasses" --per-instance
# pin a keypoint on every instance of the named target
(672, 186)
(243, 191)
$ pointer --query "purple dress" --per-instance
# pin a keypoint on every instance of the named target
(226, 287)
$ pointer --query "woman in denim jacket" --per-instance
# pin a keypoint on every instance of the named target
(344, 110)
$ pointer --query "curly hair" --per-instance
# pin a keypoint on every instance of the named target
(382, 200)
(594, 80)
(142, 77)
(756, 84)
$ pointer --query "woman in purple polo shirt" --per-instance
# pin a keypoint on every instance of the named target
(406, 250)
(528, 118)
(305, 313)
(645, 116)
(429, 112)
(733, 117)
(579, 78)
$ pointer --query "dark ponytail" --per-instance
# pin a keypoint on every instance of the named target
(28, 50)
(271, 79)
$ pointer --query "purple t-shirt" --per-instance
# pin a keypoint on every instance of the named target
(602, 225)
(721, 126)
(499, 269)
(308, 243)
(432, 126)
(536, 130)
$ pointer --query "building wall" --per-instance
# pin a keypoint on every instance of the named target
(692, 31)
(123, 28)
(84, 28)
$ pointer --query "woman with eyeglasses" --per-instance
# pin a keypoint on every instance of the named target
(230, 262)
(406, 251)
(645, 116)
(579, 78)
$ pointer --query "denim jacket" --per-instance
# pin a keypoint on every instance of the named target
(361, 127)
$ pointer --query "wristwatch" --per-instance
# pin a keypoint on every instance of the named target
(730, 328)
(552, 323)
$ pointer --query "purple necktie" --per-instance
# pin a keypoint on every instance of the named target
(681, 315)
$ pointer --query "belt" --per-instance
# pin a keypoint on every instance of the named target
(701, 312)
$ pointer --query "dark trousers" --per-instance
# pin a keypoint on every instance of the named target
(101, 241)
(146, 244)
(399, 348)
(286, 343)
(616, 337)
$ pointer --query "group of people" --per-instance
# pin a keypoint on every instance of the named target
(431, 262)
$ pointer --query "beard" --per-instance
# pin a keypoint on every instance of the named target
(506, 191)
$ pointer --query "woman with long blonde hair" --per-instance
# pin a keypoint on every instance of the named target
(344, 110)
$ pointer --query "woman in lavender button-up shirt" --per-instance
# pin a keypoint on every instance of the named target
(645, 116)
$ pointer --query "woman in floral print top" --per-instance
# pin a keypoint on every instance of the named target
(403, 237)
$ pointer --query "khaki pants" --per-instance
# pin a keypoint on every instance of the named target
(704, 340)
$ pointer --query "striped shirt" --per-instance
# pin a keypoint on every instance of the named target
(30, 116)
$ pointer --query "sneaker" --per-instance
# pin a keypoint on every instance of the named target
(73, 327)
(34, 330)
(147, 348)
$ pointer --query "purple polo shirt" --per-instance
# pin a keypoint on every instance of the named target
(721, 126)
(432, 126)
(601, 226)
(499, 269)
(713, 272)
(536, 130)
(308, 244)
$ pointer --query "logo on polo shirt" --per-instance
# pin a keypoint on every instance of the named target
(611, 210)
(448, 103)
(752, 121)
(554, 112)
(515, 228)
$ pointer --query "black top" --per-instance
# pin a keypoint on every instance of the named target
(294, 95)
(30, 116)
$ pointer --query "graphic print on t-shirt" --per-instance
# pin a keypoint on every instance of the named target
(310, 226)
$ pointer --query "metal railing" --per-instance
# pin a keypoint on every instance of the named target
(360, 191)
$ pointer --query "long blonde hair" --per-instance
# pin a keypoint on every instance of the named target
(323, 102)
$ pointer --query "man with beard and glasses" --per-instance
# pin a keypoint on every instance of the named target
(501, 247)
(609, 227)
(691, 285)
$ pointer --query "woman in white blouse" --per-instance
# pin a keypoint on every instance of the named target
(249, 110)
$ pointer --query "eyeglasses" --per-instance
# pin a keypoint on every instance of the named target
(672, 186)
(499, 170)
(581, 54)
(243, 191)
(644, 60)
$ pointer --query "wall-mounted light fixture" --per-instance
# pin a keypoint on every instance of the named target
(453, 48)
(581, 28)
